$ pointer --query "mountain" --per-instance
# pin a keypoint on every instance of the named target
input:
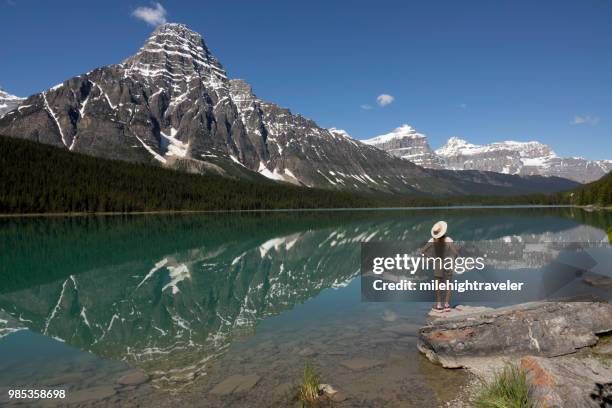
(173, 104)
(406, 143)
(525, 158)
(8, 102)
(509, 157)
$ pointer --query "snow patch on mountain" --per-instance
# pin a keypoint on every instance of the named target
(407, 143)
(523, 158)
(8, 102)
(508, 157)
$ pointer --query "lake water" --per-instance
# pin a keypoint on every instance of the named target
(192, 300)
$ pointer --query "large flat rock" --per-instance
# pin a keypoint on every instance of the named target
(538, 329)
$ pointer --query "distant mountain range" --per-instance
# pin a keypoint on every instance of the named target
(173, 104)
(509, 157)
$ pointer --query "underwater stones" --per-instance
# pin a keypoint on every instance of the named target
(283, 391)
(403, 329)
(236, 384)
(133, 378)
(599, 281)
(307, 352)
(91, 394)
(360, 363)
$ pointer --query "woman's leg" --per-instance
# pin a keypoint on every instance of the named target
(448, 293)
(438, 305)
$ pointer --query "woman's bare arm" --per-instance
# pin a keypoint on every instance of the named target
(426, 247)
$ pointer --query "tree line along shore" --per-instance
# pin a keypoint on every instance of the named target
(38, 178)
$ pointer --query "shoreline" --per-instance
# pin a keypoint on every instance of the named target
(229, 211)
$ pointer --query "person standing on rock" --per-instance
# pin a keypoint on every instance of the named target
(443, 247)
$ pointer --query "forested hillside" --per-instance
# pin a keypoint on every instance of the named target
(37, 178)
(597, 193)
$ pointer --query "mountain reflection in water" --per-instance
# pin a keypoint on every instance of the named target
(169, 293)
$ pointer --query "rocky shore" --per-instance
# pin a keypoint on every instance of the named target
(565, 347)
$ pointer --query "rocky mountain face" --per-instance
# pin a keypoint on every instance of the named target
(172, 104)
(525, 158)
(406, 143)
(518, 158)
(8, 102)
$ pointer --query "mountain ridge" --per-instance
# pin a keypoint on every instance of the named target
(507, 157)
(173, 104)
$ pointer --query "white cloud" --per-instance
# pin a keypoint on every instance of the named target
(585, 120)
(462, 106)
(154, 16)
(384, 99)
(366, 107)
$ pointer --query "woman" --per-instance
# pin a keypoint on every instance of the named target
(443, 247)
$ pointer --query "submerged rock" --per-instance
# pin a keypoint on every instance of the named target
(91, 394)
(538, 328)
(404, 329)
(360, 363)
(307, 352)
(133, 378)
(236, 384)
(599, 281)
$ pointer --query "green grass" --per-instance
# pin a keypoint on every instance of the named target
(610, 235)
(510, 388)
(308, 392)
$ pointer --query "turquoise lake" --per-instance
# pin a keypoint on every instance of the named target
(193, 299)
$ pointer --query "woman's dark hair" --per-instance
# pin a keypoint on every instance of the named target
(440, 246)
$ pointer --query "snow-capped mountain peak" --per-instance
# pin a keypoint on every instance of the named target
(457, 146)
(340, 132)
(524, 158)
(402, 132)
(8, 102)
(508, 157)
(176, 53)
(407, 143)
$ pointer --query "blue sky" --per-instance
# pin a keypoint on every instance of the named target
(482, 70)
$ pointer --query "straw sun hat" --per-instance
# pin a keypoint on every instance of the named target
(439, 229)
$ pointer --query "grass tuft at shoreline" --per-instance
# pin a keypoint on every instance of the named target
(510, 388)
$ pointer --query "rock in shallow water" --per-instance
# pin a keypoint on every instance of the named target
(91, 394)
(537, 328)
(133, 378)
(404, 329)
(236, 384)
(360, 363)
